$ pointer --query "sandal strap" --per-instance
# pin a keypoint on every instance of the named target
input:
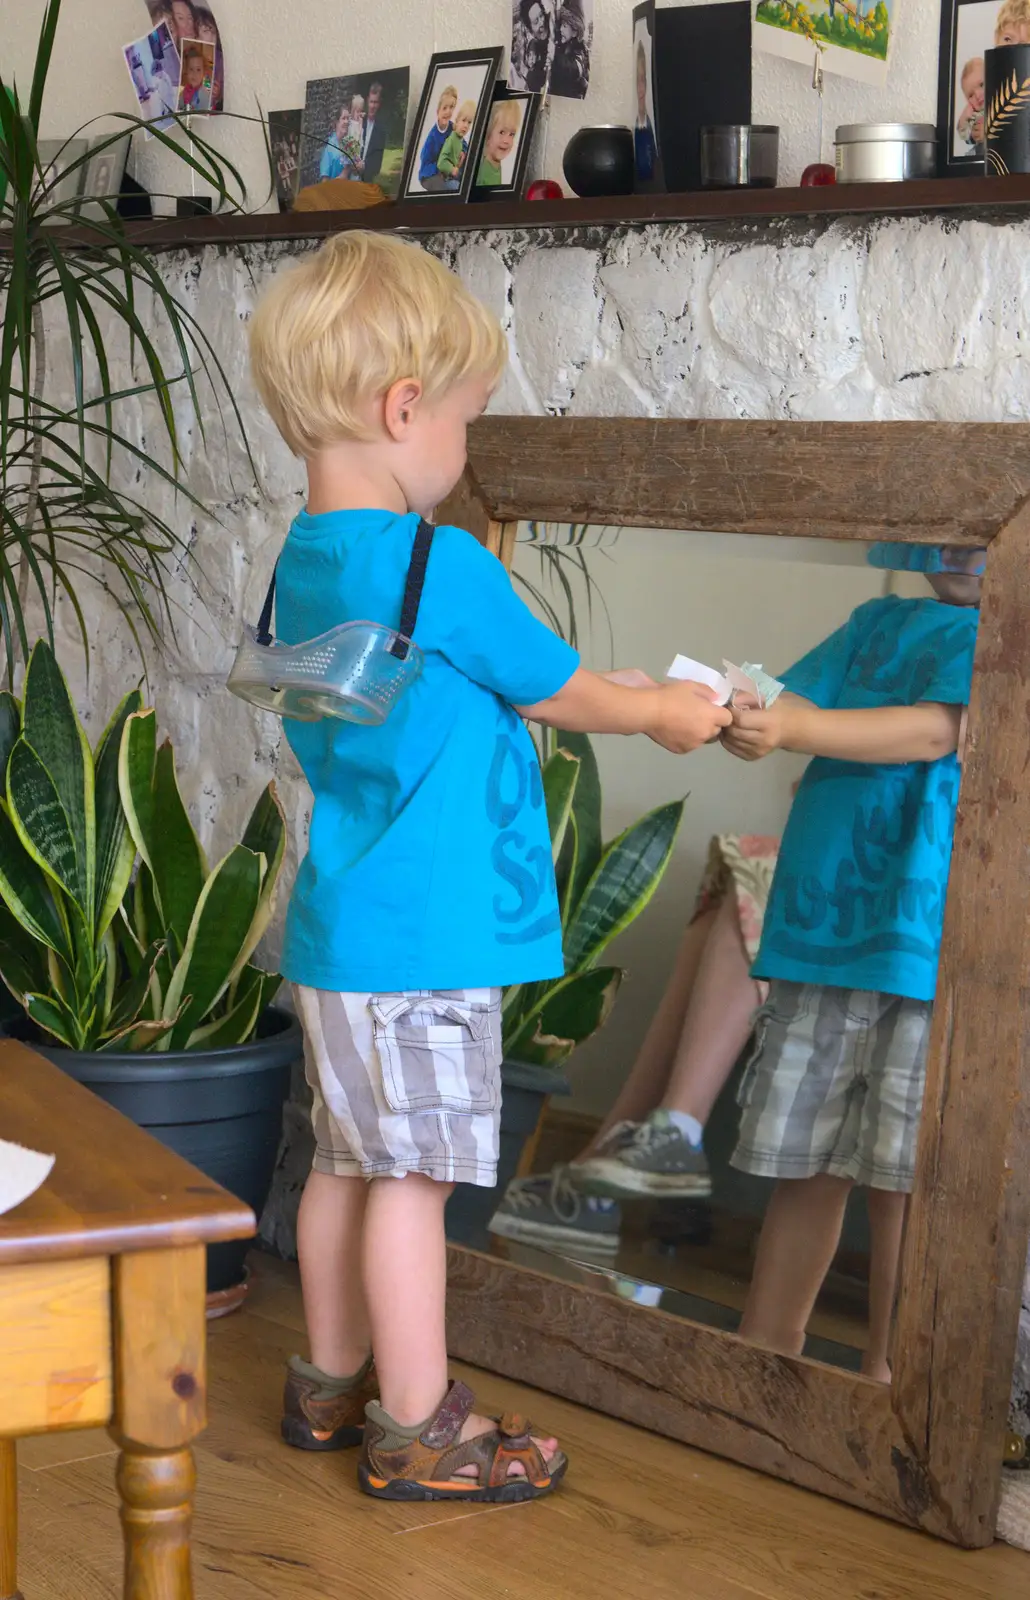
(444, 1428)
(514, 1426)
(493, 1456)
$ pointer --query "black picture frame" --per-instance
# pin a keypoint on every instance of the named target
(644, 181)
(966, 26)
(530, 104)
(473, 74)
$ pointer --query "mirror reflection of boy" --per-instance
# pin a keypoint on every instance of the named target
(970, 125)
(429, 174)
(1013, 23)
(833, 1094)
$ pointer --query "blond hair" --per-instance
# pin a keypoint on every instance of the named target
(450, 93)
(340, 328)
(974, 64)
(505, 114)
(1013, 14)
(466, 109)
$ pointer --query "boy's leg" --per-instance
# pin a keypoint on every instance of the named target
(886, 1226)
(329, 1234)
(405, 1269)
(798, 1242)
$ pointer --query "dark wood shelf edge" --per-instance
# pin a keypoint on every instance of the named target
(979, 194)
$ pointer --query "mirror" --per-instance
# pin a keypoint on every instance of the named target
(647, 1163)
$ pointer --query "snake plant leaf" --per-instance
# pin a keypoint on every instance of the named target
(41, 821)
(219, 931)
(51, 726)
(10, 730)
(115, 850)
(265, 834)
(623, 884)
(587, 812)
(26, 891)
(138, 1036)
(132, 996)
(252, 993)
(568, 1013)
(560, 775)
(54, 1017)
(137, 756)
(23, 965)
(177, 860)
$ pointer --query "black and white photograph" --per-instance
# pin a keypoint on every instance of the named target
(570, 68)
(447, 138)
(354, 128)
(506, 144)
(645, 137)
(102, 178)
(533, 35)
(284, 135)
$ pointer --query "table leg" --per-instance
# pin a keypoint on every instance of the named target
(8, 1521)
(159, 1407)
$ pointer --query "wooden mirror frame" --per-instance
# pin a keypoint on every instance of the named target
(927, 1450)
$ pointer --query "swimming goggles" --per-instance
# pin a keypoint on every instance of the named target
(356, 672)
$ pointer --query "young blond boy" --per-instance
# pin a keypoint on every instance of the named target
(1013, 24)
(429, 173)
(455, 149)
(501, 133)
(428, 884)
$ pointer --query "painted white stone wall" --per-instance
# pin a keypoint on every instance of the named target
(271, 51)
(891, 319)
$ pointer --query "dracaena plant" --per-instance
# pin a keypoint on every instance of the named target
(114, 932)
(602, 889)
(63, 520)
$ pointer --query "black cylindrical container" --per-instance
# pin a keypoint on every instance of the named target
(600, 161)
(1007, 109)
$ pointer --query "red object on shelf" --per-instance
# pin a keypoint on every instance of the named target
(545, 189)
(817, 174)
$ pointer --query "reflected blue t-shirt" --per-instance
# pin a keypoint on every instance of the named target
(429, 855)
(857, 900)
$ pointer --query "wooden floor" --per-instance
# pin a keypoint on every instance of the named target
(639, 1518)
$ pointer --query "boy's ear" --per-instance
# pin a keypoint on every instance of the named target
(400, 407)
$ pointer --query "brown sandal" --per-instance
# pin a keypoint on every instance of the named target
(320, 1415)
(395, 1466)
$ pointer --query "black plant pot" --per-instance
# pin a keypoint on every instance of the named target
(524, 1091)
(600, 161)
(1007, 109)
(220, 1109)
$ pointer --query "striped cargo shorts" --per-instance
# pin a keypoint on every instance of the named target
(404, 1082)
(835, 1085)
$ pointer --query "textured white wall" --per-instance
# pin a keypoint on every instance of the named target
(271, 50)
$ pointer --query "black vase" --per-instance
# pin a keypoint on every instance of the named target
(1007, 109)
(600, 161)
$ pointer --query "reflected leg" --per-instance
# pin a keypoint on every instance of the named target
(650, 1073)
(718, 1018)
(799, 1238)
(887, 1209)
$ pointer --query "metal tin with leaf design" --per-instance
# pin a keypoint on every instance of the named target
(1007, 109)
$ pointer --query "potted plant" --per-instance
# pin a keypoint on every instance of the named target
(602, 889)
(66, 515)
(129, 957)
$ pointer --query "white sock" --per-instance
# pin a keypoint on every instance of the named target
(689, 1127)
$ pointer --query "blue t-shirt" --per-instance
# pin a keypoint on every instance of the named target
(435, 141)
(429, 855)
(857, 899)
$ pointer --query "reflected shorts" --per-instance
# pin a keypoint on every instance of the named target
(835, 1085)
(404, 1082)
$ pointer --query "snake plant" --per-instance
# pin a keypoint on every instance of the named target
(602, 890)
(115, 934)
(69, 510)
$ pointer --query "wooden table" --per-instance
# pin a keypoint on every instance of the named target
(102, 1311)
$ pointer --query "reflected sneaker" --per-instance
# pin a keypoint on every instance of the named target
(659, 1161)
(548, 1211)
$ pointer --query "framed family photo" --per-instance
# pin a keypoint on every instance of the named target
(103, 174)
(354, 128)
(450, 125)
(969, 28)
(501, 173)
(647, 163)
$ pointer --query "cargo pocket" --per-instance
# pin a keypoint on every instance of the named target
(437, 1054)
(783, 1005)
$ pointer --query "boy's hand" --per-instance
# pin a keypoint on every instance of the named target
(755, 734)
(687, 717)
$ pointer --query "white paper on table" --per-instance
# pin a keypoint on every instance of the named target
(22, 1172)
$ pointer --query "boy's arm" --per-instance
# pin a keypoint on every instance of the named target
(678, 716)
(880, 735)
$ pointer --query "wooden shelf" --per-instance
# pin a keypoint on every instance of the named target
(993, 196)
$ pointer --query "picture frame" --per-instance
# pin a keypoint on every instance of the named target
(102, 176)
(926, 1449)
(647, 142)
(522, 120)
(459, 86)
(967, 30)
(55, 157)
(285, 133)
(354, 128)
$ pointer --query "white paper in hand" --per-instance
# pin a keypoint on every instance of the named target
(747, 686)
(687, 671)
(22, 1172)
